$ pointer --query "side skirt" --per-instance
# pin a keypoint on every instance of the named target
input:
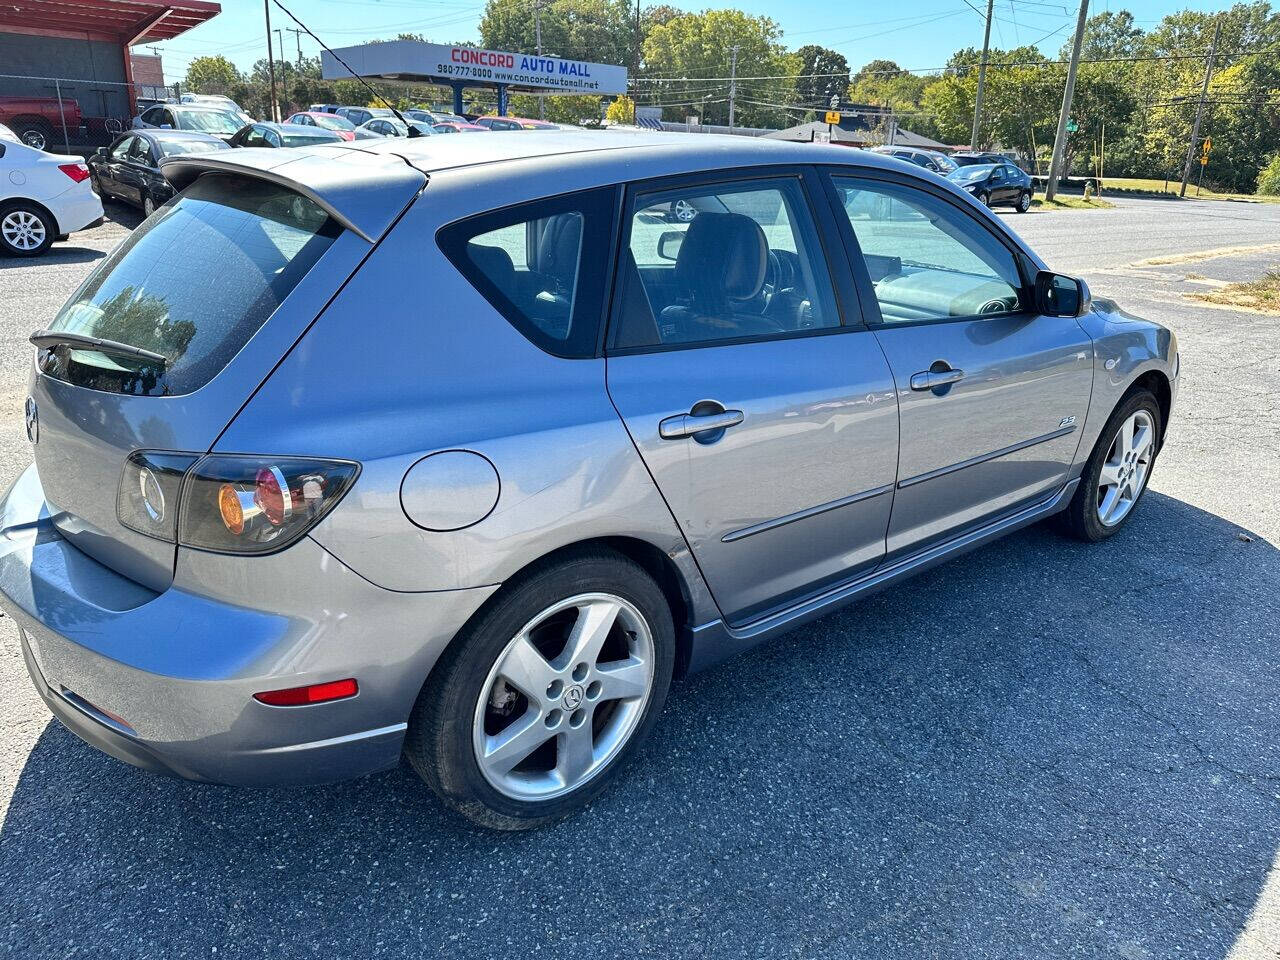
(718, 641)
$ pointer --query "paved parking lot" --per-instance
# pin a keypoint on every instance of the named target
(1037, 750)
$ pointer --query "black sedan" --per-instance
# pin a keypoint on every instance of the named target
(128, 170)
(995, 184)
(263, 134)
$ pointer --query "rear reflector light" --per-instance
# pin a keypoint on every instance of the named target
(314, 693)
(76, 171)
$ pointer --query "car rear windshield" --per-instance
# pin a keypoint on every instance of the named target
(193, 284)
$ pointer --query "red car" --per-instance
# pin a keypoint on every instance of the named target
(514, 123)
(39, 121)
(327, 121)
(449, 126)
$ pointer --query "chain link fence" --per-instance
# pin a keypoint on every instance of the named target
(74, 115)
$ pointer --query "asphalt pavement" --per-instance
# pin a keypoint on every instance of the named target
(1040, 749)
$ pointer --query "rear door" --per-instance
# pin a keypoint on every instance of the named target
(762, 407)
(992, 396)
(221, 284)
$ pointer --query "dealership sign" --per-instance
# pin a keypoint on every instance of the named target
(438, 63)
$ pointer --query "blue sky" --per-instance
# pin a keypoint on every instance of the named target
(917, 35)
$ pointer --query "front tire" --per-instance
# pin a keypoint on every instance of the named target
(985, 200)
(148, 206)
(1117, 472)
(540, 702)
(25, 230)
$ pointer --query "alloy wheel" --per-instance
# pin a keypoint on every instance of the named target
(148, 206)
(1125, 471)
(684, 211)
(1024, 202)
(564, 697)
(22, 230)
(35, 138)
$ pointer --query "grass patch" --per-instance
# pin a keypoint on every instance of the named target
(1172, 187)
(1262, 294)
(1061, 202)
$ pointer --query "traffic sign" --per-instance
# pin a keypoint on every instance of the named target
(1204, 160)
(833, 116)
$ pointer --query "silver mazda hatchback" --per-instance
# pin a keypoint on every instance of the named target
(461, 448)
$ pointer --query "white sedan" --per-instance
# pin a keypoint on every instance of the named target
(43, 197)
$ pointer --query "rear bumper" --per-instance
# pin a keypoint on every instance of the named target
(166, 681)
(77, 208)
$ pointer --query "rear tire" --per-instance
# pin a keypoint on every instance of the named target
(1024, 201)
(34, 133)
(1118, 471)
(25, 229)
(523, 720)
(148, 206)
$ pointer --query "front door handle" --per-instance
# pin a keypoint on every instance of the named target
(695, 424)
(932, 379)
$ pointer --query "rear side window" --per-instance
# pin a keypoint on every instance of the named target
(542, 266)
(193, 284)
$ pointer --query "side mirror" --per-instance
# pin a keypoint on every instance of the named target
(101, 152)
(669, 244)
(1058, 295)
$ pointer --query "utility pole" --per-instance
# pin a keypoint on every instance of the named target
(271, 61)
(297, 36)
(733, 82)
(1195, 127)
(974, 142)
(1060, 138)
(537, 33)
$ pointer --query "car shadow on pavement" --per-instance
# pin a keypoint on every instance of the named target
(57, 254)
(1039, 749)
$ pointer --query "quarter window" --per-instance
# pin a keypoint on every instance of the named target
(927, 260)
(542, 266)
(722, 262)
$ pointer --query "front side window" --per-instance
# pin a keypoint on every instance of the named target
(542, 266)
(728, 261)
(122, 148)
(210, 121)
(192, 284)
(926, 259)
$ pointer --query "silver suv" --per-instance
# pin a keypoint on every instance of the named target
(461, 448)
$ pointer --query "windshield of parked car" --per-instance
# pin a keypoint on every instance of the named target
(332, 122)
(208, 121)
(971, 173)
(192, 283)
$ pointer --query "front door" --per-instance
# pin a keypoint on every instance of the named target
(992, 396)
(769, 427)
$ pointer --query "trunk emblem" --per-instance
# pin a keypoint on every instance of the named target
(33, 421)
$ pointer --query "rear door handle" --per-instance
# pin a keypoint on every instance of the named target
(932, 379)
(689, 424)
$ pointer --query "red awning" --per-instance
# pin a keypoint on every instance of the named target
(129, 21)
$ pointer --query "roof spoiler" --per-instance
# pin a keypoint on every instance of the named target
(365, 192)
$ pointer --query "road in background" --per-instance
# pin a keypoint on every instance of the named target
(1040, 749)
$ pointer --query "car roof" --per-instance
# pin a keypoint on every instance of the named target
(292, 129)
(364, 184)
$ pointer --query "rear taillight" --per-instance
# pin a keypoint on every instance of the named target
(231, 504)
(236, 504)
(150, 489)
(76, 171)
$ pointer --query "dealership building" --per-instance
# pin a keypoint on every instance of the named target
(458, 68)
(77, 51)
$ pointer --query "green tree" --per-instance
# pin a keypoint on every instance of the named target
(622, 110)
(602, 31)
(698, 46)
(1269, 177)
(212, 75)
(821, 75)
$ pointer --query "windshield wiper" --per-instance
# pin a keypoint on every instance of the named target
(48, 339)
